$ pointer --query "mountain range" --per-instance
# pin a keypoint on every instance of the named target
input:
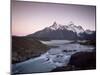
(59, 32)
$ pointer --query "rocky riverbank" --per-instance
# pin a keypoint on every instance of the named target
(79, 61)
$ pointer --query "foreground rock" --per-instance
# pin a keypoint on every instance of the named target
(83, 60)
(24, 48)
(80, 61)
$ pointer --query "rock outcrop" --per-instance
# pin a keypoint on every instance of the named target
(80, 61)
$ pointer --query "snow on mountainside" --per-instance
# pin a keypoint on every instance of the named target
(70, 27)
(77, 29)
(55, 26)
(59, 31)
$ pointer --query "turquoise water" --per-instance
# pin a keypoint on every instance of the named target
(53, 58)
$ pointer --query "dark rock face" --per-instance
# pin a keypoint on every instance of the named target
(79, 61)
(62, 34)
(87, 36)
(83, 60)
(52, 34)
(24, 48)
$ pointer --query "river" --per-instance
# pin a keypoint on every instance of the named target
(58, 55)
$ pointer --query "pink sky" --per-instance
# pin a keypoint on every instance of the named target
(29, 17)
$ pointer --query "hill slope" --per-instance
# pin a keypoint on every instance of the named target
(24, 48)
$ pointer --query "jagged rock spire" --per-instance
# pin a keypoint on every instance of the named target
(55, 23)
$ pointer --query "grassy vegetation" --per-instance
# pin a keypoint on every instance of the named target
(24, 48)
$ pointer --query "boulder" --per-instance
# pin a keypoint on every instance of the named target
(79, 61)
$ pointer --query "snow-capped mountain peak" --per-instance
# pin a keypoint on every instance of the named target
(70, 27)
(74, 28)
(55, 26)
(69, 31)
